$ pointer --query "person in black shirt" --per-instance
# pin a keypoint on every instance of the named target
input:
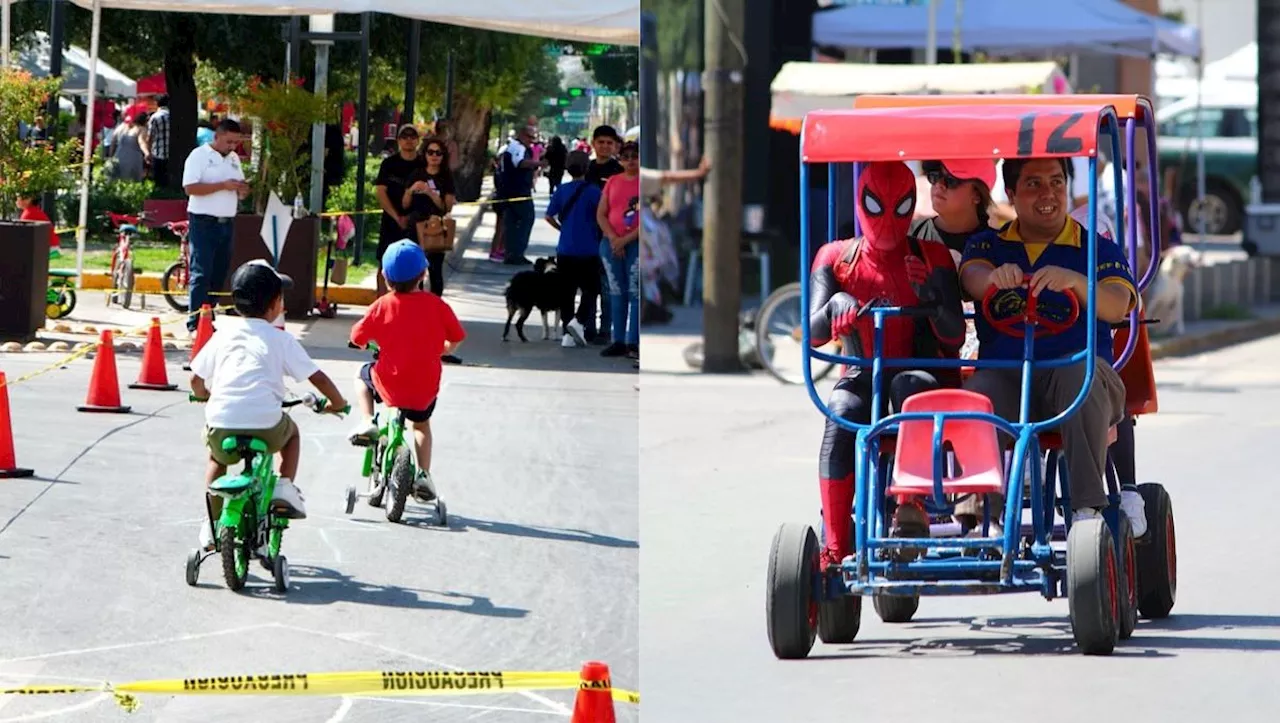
(390, 185)
(556, 157)
(431, 193)
(604, 141)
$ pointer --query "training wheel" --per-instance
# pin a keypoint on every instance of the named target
(193, 567)
(1093, 586)
(351, 499)
(280, 572)
(791, 610)
(442, 512)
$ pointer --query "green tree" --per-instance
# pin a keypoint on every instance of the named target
(618, 69)
(679, 33)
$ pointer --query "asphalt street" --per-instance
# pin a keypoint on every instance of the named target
(536, 456)
(729, 459)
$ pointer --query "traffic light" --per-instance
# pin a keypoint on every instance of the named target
(577, 92)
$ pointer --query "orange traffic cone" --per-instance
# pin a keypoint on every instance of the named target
(595, 695)
(153, 375)
(204, 331)
(104, 385)
(8, 463)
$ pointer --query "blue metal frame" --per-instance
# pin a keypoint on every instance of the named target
(956, 575)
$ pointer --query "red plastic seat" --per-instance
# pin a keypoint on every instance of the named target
(975, 444)
(1053, 440)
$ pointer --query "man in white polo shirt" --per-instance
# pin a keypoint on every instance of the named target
(215, 184)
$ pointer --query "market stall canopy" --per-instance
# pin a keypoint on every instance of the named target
(1009, 26)
(799, 88)
(34, 58)
(598, 21)
(152, 85)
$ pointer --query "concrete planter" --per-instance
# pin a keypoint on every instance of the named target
(298, 259)
(24, 279)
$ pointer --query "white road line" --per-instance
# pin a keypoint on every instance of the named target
(337, 556)
(341, 712)
(553, 705)
(486, 708)
(92, 702)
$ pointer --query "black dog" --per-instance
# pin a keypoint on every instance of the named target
(542, 288)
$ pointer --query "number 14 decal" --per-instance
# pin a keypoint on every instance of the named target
(1056, 143)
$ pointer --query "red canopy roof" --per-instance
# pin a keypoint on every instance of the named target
(1126, 105)
(922, 133)
(152, 85)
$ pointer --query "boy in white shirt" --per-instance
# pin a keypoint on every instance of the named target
(240, 372)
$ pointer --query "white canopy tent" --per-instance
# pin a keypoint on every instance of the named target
(603, 21)
(34, 58)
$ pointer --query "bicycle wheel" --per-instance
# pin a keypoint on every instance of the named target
(778, 337)
(174, 285)
(124, 282)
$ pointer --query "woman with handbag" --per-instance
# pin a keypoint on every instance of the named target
(430, 197)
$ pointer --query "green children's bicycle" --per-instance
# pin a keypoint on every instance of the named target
(249, 526)
(392, 469)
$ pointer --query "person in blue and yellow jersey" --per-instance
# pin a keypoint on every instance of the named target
(1046, 250)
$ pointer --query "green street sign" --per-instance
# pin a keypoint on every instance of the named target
(577, 92)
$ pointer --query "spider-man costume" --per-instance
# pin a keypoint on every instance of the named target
(883, 267)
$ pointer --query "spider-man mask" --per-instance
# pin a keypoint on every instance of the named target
(886, 200)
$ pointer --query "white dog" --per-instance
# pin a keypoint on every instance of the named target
(1164, 297)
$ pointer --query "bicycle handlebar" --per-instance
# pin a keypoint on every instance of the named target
(312, 401)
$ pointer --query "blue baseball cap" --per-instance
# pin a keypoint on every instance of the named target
(403, 261)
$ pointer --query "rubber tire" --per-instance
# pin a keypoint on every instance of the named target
(1127, 568)
(896, 608)
(166, 285)
(377, 489)
(1092, 586)
(280, 573)
(67, 295)
(793, 560)
(442, 511)
(839, 620)
(193, 567)
(780, 296)
(125, 280)
(402, 477)
(227, 547)
(1158, 558)
(352, 496)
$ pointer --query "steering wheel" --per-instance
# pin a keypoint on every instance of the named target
(1013, 325)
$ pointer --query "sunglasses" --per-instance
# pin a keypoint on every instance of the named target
(434, 152)
(628, 155)
(950, 181)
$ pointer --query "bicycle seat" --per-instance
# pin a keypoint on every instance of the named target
(128, 228)
(62, 273)
(243, 442)
(178, 227)
(977, 449)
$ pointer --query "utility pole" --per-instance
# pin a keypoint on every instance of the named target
(722, 204)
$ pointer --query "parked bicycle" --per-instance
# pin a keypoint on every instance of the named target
(176, 282)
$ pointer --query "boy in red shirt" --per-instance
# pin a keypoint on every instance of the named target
(413, 329)
(31, 211)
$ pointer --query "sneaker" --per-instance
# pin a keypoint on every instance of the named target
(1133, 507)
(423, 488)
(450, 359)
(206, 537)
(567, 342)
(633, 351)
(615, 349)
(579, 334)
(289, 499)
(910, 520)
(363, 434)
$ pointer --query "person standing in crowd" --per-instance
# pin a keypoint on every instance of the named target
(127, 143)
(572, 211)
(157, 147)
(557, 155)
(604, 141)
(517, 171)
(390, 185)
(618, 216)
(214, 183)
(32, 212)
(431, 192)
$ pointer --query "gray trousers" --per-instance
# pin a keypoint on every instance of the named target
(1084, 435)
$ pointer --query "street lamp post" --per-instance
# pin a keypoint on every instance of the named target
(320, 26)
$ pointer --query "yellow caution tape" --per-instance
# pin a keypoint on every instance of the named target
(364, 683)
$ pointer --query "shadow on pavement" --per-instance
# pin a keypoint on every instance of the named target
(313, 585)
(423, 519)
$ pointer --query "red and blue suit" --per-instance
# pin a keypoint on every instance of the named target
(883, 267)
